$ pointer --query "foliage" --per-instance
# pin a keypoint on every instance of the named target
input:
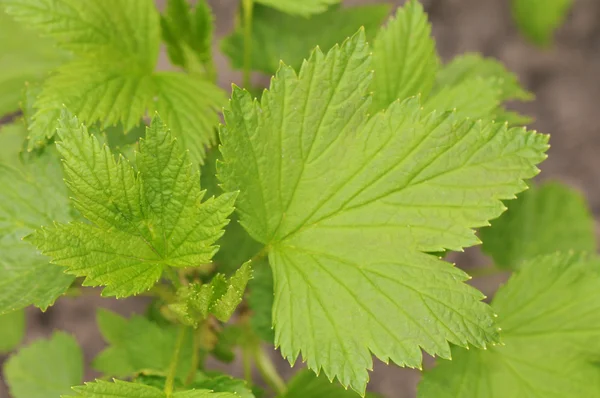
(538, 19)
(363, 161)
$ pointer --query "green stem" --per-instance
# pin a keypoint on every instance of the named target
(174, 360)
(268, 370)
(247, 363)
(195, 354)
(247, 7)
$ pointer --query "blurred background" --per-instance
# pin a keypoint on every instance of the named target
(564, 79)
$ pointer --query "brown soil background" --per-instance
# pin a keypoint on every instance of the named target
(564, 79)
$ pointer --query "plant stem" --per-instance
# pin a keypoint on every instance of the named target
(247, 7)
(195, 353)
(174, 361)
(268, 371)
(247, 363)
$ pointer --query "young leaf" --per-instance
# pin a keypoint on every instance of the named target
(188, 32)
(404, 57)
(538, 19)
(304, 8)
(277, 36)
(140, 223)
(222, 383)
(27, 59)
(46, 368)
(220, 297)
(12, 330)
(347, 244)
(33, 194)
(550, 332)
(125, 389)
(305, 384)
(477, 87)
(137, 344)
(112, 77)
(544, 219)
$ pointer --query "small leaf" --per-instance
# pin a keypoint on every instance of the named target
(142, 222)
(303, 8)
(125, 389)
(220, 297)
(45, 368)
(306, 384)
(544, 219)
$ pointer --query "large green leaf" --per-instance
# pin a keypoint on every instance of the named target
(141, 222)
(548, 313)
(277, 36)
(544, 219)
(347, 205)
(46, 368)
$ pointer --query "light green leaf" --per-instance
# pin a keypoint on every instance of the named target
(304, 8)
(112, 79)
(141, 222)
(125, 389)
(404, 57)
(188, 32)
(477, 87)
(12, 330)
(137, 344)
(220, 297)
(33, 194)
(544, 219)
(538, 19)
(46, 368)
(277, 36)
(342, 237)
(223, 383)
(305, 384)
(550, 334)
(27, 59)
(12, 140)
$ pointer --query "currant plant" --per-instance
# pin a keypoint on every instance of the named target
(317, 225)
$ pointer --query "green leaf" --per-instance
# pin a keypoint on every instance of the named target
(538, 19)
(27, 59)
(277, 36)
(45, 368)
(544, 219)
(12, 330)
(260, 301)
(477, 87)
(33, 194)
(188, 32)
(125, 389)
(142, 222)
(304, 8)
(220, 297)
(137, 344)
(306, 384)
(404, 57)
(550, 333)
(12, 139)
(112, 79)
(346, 244)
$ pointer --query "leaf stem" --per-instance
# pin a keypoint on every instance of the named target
(247, 8)
(268, 371)
(247, 363)
(195, 353)
(174, 360)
